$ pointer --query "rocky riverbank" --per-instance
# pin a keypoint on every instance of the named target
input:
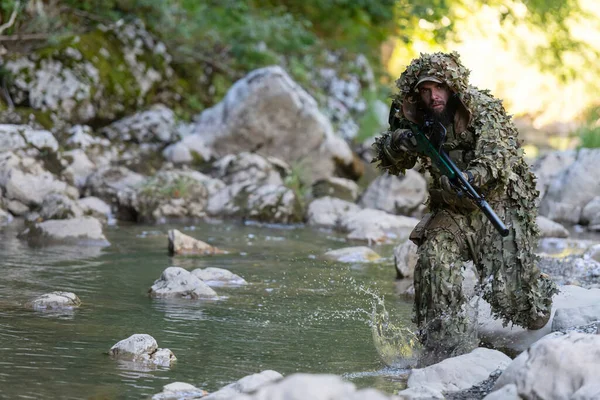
(81, 149)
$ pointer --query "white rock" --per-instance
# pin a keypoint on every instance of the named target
(459, 373)
(329, 212)
(507, 392)
(56, 301)
(549, 228)
(405, 259)
(81, 231)
(555, 367)
(179, 391)
(396, 194)
(516, 339)
(218, 277)
(247, 384)
(134, 347)
(176, 282)
(376, 226)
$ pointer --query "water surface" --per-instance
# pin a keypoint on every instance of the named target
(299, 313)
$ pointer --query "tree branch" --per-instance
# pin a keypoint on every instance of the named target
(12, 18)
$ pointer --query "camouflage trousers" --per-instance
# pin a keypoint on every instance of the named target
(508, 278)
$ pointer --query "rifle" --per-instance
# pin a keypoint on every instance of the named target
(447, 167)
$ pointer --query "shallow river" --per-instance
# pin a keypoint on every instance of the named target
(299, 313)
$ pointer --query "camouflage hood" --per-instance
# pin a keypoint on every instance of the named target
(444, 66)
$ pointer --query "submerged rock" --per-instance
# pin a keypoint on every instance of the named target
(180, 391)
(56, 301)
(180, 243)
(218, 277)
(358, 254)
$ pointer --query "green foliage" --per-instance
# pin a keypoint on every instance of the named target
(589, 133)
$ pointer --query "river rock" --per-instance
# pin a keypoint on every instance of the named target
(5, 217)
(180, 243)
(458, 373)
(549, 166)
(176, 282)
(96, 207)
(248, 168)
(157, 124)
(514, 339)
(329, 212)
(82, 137)
(376, 226)
(266, 112)
(25, 180)
(359, 254)
(265, 203)
(590, 214)
(81, 231)
(16, 137)
(340, 188)
(405, 259)
(402, 195)
(56, 301)
(170, 195)
(189, 150)
(218, 277)
(573, 188)
(79, 167)
(111, 183)
(549, 228)
(558, 366)
(315, 387)
(59, 206)
(247, 384)
(142, 348)
(180, 391)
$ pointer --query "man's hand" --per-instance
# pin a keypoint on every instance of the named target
(403, 140)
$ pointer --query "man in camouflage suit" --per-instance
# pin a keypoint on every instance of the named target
(482, 142)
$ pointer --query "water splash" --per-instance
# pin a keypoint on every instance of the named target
(396, 344)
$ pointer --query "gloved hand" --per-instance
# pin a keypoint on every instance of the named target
(450, 196)
(403, 140)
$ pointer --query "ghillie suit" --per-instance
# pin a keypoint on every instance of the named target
(482, 141)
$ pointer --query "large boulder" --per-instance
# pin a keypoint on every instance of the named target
(78, 231)
(403, 195)
(573, 188)
(573, 300)
(17, 137)
(268, 113)
(557, 367)
(249, 168)
(549, 166)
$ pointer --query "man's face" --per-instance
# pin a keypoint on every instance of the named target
(434, 96)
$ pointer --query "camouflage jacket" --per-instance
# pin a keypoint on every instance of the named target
(481, 140)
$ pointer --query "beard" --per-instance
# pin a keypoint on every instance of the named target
(444, 116)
